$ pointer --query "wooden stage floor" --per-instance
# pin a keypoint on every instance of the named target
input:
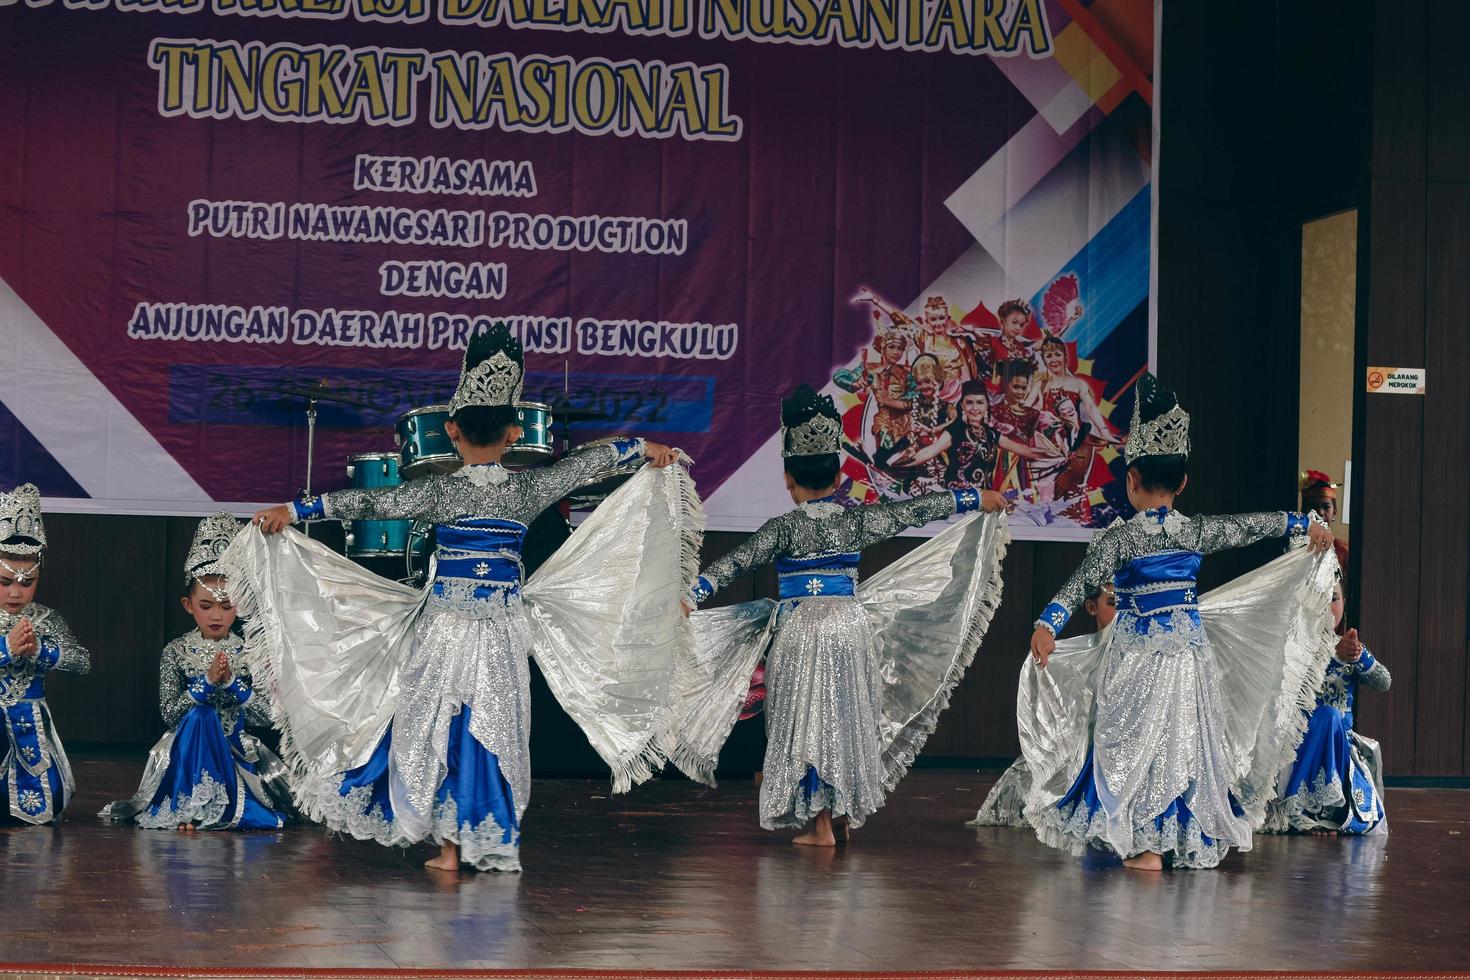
(677, 877)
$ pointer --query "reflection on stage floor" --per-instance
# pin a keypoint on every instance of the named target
(675, 876)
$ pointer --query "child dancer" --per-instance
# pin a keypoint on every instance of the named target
(1336, 783)
(854, 683)
(1166, 772)
(207, 772)
(405, 715)
(34, 641)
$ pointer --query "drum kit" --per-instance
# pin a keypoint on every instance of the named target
(424, 448)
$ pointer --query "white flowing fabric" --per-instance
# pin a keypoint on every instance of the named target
(928, 611)
(1265, 630)
(329, 638)
(713, 681)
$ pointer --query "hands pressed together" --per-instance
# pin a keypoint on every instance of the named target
(22, 641)
(219, 670)
(1349, 647)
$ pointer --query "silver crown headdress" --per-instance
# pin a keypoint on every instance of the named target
(818, 435)
(499, 376)
(211, 538)
(20, 517)
(1166, 435)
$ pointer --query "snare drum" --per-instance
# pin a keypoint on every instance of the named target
(427, 449)
(534, 445)
(375, 539)
(425, 445)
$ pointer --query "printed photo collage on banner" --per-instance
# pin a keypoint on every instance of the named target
(937, 213)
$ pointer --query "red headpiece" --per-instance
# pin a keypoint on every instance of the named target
(1316, 485)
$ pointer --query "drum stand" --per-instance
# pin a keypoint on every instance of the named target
(313, 394)
(310, 452)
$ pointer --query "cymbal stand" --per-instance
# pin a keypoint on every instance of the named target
(310, 452)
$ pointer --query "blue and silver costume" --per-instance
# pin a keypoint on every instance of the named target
(38, 779)
(207, 770)
(1169, 764)
(453, 764)
(404, 714)
(853, 688)
(1336, 782)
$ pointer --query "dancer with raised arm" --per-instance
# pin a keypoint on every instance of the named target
(856, 677)
(405, 715)
(1164, 738)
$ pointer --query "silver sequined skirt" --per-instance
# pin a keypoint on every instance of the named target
(823, 712)
(475, 659)
(1164, 767)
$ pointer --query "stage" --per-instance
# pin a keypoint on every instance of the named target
(678, 877)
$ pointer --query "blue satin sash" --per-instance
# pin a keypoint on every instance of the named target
(820, 575)
(486, 551)
(1154, 587)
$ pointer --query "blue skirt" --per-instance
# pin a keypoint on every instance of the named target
(35, 786)
(1173, 832)
(473, 808)
(1331, 786)
(210, 781)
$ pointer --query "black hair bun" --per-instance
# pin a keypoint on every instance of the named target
(803, 404)
(484, 346)
(1153, 400)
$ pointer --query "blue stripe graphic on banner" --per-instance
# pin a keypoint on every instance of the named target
(1113, 273)
(262, 395)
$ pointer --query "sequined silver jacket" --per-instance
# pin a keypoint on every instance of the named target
(481, 491)
(1153, 532)
(818, 528)
(24, 678)
(183, 683)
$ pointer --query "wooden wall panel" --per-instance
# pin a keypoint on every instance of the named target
(1447, 84)
(1401, 33)
(1444, 533)
(105, 575)
(1387, 504)
(1411, 549)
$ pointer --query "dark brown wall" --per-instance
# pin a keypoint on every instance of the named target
(1411, 550)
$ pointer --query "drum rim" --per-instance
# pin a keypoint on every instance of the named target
(529, 447)
(428, 409)
(423, 466)
(425, 410)
(356, 457)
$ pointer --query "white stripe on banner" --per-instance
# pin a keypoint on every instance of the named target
(89, 432)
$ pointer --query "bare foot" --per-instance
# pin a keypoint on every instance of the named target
(760, 777)
(446, 860)
(1147, 861)
(819, 834)
(841, 830)
(1324, 833)
(186, 828)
